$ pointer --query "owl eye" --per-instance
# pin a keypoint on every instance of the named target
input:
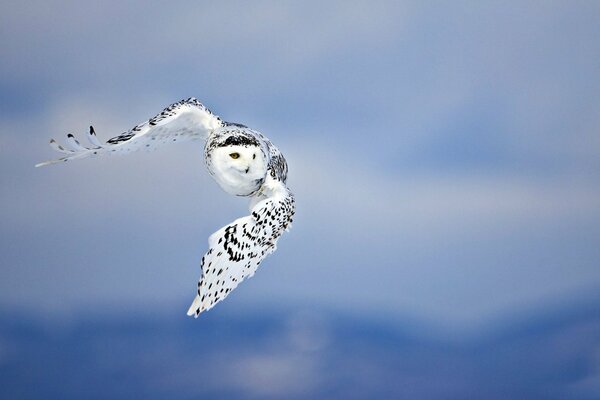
(234, 155)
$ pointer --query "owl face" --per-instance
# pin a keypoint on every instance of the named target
(239, 169)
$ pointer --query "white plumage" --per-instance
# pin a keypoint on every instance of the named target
(242, 161)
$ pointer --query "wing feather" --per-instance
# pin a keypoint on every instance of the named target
(59, 148)
(93, 139)
(74, 144)
(185, 120)
(237, 249)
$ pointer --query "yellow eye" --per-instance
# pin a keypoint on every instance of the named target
(234, 155)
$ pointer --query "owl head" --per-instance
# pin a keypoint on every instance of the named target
(237, 161)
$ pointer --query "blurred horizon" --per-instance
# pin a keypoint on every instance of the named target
(294, 353)
(445, 159)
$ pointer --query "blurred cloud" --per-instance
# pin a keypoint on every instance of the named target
(247, 355)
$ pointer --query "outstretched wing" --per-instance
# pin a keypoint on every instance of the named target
(236, 250)
(184, 120)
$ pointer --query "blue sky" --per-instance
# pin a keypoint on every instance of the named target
(445, 156)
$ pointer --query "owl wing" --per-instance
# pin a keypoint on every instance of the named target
(237, 249)
(184, 120)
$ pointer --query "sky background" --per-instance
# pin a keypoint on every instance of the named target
(445, 157)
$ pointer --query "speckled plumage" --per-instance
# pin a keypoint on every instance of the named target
(242, 161)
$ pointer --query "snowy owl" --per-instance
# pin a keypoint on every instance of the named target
(242, 161)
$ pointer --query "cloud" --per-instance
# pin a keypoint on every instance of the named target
(444, 159)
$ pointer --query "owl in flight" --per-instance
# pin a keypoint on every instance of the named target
(242, 161)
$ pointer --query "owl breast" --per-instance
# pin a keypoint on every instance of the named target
(237, 162)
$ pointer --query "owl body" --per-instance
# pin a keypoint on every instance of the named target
(242, 161)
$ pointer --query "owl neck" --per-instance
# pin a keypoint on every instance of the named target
(270, 188)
